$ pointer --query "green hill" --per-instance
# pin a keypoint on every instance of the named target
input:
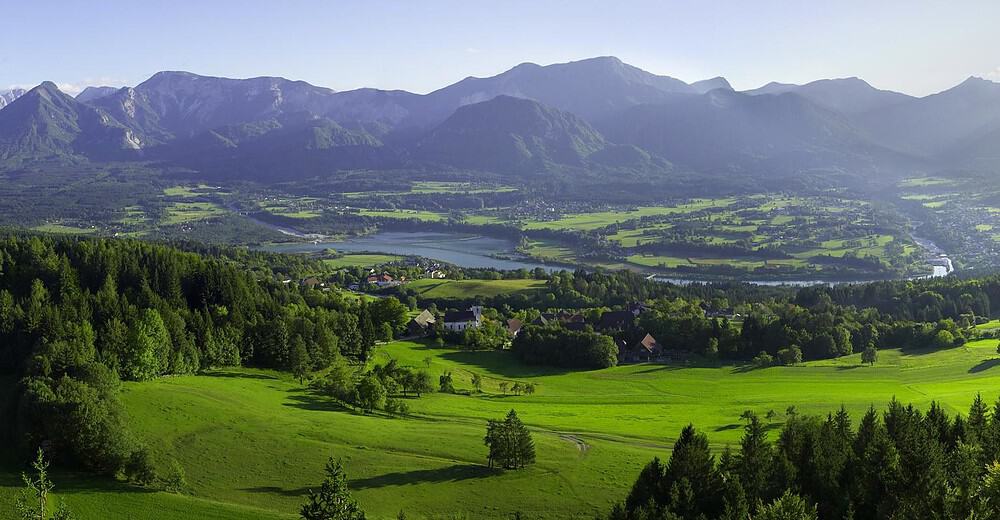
(252, 442)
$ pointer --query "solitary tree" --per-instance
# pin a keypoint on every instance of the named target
(528, 388)
(870, 355)
(477, 382)
(509, 442)
(333, 500)
(503, 387)
(33, 502)
(446, 383)
(371, 393)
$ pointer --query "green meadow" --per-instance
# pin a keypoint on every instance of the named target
(252, 442)
(361, 259)
(184, 212)
(433, 288)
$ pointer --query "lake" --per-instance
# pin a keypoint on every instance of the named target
(478, 251)
(453, 248)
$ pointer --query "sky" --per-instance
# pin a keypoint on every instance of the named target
(913, 46)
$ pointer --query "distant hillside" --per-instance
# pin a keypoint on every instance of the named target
(46, 124)
(597, 116)
(729, 131)
(940, 123)
(173, 105)
(511, 135)
(92, 93)
(276, 150)
(850, 96)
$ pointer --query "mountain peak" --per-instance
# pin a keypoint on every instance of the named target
(92, 93)
(707, 85)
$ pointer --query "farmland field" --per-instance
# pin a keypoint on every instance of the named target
(363, 260)
(252, 442)
(184, 212)
(432, 288)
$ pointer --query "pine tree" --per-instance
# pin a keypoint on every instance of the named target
(333, 500)
(788, 507)
(976, 423)
(299, 359)
(693, 463)
(755, 459)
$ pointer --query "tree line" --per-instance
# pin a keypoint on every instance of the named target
(900, 463)
(79, 315)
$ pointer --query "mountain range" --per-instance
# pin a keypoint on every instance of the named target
(593, 115)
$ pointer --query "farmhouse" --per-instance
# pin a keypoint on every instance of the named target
(514, 327)
(459, 321)
(384, 280)
(619, 320)
(421, 324)
(646, 349)
(637, 308)
(312, 282)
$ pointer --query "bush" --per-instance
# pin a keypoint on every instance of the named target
(790, 356)
(762, 360)
(139, 468)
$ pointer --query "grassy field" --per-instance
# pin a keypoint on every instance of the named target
(252, 442)
(182, 212)
(429, 216)
(589, 221)
(63, 229)
(362, 259)
(431, 288)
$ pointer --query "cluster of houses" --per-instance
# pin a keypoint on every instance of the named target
(645, 350)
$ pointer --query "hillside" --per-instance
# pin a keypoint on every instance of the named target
(642, 119)
(730, 131)
(46, 124)
(510, 135)
(594, 431)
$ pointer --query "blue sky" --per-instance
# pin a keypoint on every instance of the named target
(914, 46)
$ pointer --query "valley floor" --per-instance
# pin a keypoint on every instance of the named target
(253, 442)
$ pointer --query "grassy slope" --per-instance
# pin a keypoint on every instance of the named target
(363, 260)
(252, 442)
(433, 288)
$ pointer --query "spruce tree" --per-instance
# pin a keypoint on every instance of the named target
(333, 500)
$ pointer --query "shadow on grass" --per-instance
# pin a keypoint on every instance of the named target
(455, 473)
(736, 426)
(660, 367)
(849, 367)
(275, 490)
(241, 375)
(984, 365)
(502, 363)
(306, 399)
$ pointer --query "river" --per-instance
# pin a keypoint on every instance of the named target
(478, 251)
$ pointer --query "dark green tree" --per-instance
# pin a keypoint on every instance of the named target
(333, 500)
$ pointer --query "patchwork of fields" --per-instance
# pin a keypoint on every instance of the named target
(252, 442)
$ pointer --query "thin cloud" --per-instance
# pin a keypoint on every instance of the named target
(994, 75)
(75, 87)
